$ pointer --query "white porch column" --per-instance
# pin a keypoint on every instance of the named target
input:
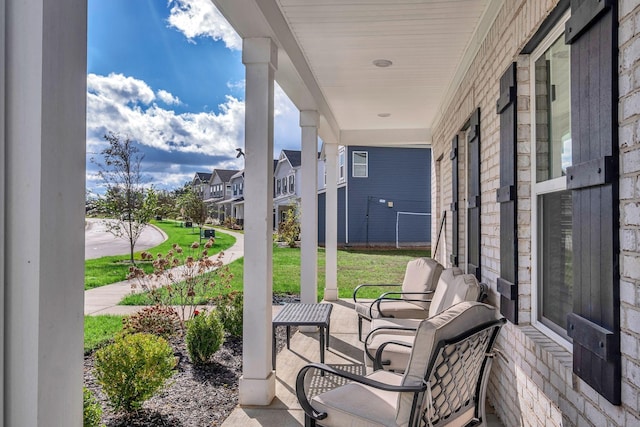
(331, 228)
(44, 107)
(257, 384)
(309, 121)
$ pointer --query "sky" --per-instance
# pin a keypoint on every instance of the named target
(168, 74)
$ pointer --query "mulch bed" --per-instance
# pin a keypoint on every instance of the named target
(195, 395)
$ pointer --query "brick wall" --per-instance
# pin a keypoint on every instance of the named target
(532, 383)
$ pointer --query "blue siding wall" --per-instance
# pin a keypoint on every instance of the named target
(401, 176)
(322, 217)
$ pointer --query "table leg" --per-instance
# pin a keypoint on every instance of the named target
(322, 334)
(273, 349)
(288, 337)
(328, 328)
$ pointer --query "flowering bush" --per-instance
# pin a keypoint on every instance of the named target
(183, 275)
(205, 335)
(157, 320)
(133, 368)
(229, 307)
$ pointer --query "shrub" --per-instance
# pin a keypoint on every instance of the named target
(229, 309)
(289, 228)
(92, 411)
(183, 274)
(205, 335)
(157, 320)
(133, 368)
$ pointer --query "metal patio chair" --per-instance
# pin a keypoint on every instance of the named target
(397, 335)
(411, 302)
(444, 384)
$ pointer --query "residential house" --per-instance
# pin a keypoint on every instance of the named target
(200, 185)
(286, 177)
(237, 198)
(218, 202)
(384, 196)
(484, 82)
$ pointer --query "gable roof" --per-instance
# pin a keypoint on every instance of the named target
(294, 157)
(202, 176)
(225, 174)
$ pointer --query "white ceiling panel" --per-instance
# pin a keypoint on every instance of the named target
(331, 45)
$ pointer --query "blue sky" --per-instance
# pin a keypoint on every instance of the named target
(169, 75)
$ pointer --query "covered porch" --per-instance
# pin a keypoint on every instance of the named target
(461, 76)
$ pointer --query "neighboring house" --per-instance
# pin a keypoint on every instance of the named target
(220, 193)
(286, 177)
(384, 196)
(200, 185)
(237, 198)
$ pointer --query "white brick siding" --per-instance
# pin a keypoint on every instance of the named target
(532, 383)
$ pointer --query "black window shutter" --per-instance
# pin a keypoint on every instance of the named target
(453, 257)
(473, 193)
(594, 323)
(506, 196)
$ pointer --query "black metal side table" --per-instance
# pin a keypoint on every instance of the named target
(298, 314)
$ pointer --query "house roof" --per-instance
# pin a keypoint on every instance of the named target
(225, 174)
(202, 176)
(294, 157)
(327, 55)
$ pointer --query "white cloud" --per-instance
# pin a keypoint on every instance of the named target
(120, 89)
(168, 98)
(109, 108)
(200, 18)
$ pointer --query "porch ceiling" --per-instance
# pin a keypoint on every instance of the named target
(327, 49)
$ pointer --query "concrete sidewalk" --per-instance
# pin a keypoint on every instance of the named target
(105, 299)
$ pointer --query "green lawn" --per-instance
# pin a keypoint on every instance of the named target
(99, 330)
(111, 269)
(354, 268)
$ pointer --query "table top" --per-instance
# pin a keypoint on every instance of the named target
(303, 314)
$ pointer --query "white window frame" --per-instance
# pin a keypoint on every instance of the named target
(365, 164)
(341, 165)
(541, 188)
(292, 187)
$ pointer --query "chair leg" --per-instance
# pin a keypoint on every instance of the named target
(360, 328)
(308, 421)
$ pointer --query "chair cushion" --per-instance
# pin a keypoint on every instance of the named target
(358, 405)
(396, 354)
(422, 275)
(453, 287)
(448, 324)
(397, 308)
(386, 322)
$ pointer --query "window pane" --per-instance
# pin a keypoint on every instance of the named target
(555, 259)
(360, 164)
(553, 112)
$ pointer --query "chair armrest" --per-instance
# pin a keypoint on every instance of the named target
(386, 297)
(383, 328)
(306, 405)
(378, 363)
(367, 285)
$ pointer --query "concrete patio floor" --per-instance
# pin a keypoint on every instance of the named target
(344, 349)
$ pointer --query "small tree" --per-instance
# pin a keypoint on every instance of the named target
(126, 199)
(289, 228)
(192, 207)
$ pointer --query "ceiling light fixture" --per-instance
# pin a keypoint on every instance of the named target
(384, 114)
(382, 63)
